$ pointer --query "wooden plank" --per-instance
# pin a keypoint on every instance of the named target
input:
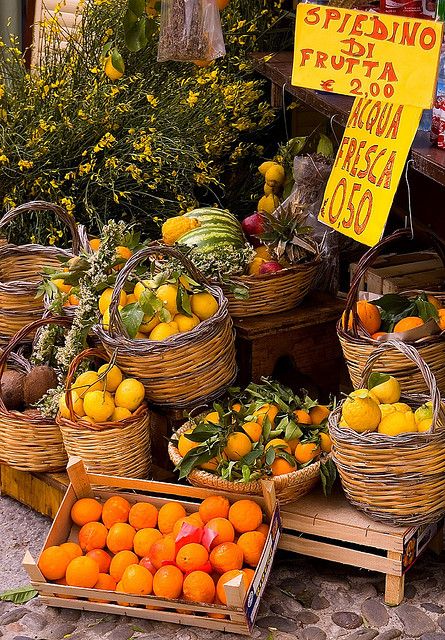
(43, 494)
(436, 281)
(376, 278)
(394, 583)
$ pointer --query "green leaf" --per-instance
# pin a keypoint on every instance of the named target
(21, 595)
(426, 310)
(392, 303)
(106, 49)
(267, 427)
(240, 293)
(149, 303)
(293, 431)
(183, 302)
(132, 316)
(253, 456)
(296, 145)
(377, 378)
(325, 146)
(137, 7)
(270, 455)
(165, 315)
(328, 473)
(246, 473)
(135, 32)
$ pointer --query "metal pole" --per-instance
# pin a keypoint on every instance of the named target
(11, 11)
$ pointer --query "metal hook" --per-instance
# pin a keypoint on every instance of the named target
(409, 217)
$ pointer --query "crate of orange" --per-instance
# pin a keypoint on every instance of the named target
(169, 553)
(414, 317)
(265, 431)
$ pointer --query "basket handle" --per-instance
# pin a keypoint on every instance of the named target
(152, 250)
(83, 355)
(412, 354)
(40, 205)
(20, 336)
(368, 259)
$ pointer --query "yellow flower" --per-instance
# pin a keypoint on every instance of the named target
(25, 164)
(192, 98)
(84, 168)
(2, 90)
(3, 158)
(152, 100)
(68, 204)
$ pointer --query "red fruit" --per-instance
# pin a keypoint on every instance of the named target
(147, 563)
(270, 267)
(253, 225)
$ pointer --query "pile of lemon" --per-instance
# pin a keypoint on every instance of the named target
(274, 179)
(378, 409)
(103, 396)
(203, 306)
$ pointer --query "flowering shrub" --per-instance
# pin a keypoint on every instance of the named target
(159, 140)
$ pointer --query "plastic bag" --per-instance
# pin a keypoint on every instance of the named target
(190, 30)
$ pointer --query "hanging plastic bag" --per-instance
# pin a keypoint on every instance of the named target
(190, 30)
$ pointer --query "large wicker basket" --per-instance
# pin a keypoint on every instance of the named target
(396, 479)
(185, 369)
(28, 440)
(289, 487)
(21, 268)
(110, 448)
(357, 344)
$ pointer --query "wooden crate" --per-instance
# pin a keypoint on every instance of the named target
(242, 605)
(401, 272)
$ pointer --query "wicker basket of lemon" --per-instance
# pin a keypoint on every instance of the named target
(389, 449)
(104, 419)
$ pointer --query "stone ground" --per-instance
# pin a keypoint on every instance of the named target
(305, 599)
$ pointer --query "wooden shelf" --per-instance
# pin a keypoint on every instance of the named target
(277, 67)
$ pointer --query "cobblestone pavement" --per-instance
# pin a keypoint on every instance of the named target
(305, 599)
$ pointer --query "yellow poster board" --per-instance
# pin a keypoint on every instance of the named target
(365, 54)
(368, 168)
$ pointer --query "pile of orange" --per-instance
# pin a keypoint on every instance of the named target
(141, 550)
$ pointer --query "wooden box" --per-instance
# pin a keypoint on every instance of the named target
(242, 606)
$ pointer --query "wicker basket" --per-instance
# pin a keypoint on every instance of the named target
(396, 479)
(29, 441)
(357, 348)
(110, 448)
(20, 271)
(186, 369)
(273, 292)
(288, 488)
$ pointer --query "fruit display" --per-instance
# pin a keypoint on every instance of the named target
(274, 179)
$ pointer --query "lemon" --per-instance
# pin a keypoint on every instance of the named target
(398, 422)
(130, 394)
(185, 323)
(424, 412)
(139, 289)
(113, 376)
(359, 392)
(424, 425)
(401, 406)
(98, 405)
(387, 392)
(60, 284)
(106, 318)
(162, 331)
(361, 412)
(254, 266)
(184, 444)
(149, 323)
(386, 409)
(110, 71)
(174, 326)
(120, 413)
(342, 423)
(88, 381)
(265, 166)
(167, 294)
(275, 176)
(268, 203)
(77, 405)
(268, 190)
(105, 299)
(131, 298)
(238, 445)
(203, 305)
(141, 336)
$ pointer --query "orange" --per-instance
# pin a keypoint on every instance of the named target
(230, 575)
(236, 407)
(252, 544)
(303, 417)
(306, 451)
(217, 616)
(411, 322)
(106, 582)
(245, 515)
(143, 515)
(124, 253)
(144, 539)
(226, 556)
(137, 580)
(82, 572)
(434, 301)
(213, 417)
(102, 558)
(238, 445)
(249, 573)
(325, 442)
(86, 510)
(53, 563)
(72, 549)
(253, 429)
(168, 514)
(280, 467)
(378, 334)
(279, 444)
(192, 557)
(120, 562)
(442, 319)
(115, 509)
(211, 465)
(269, 410)
(184, 444)
(162, 551)
(263, 528)
(319, 413)
(120, 589)
(147, 563)
(193, 519)
(167, 582)
(214, 507)
(95, 244)
(120, 537)
(198, 587)
(73, 300)
(93, 535)
(224, 529)
(368, 314)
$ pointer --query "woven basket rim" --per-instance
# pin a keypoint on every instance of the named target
(367, 340)
(78, 425)
(295, 268)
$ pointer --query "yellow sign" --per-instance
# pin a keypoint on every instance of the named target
(368, 168)
(364, 54)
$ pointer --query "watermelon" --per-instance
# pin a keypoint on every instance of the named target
(218, 227)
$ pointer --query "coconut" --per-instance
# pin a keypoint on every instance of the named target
(38, 382)
(12, 385)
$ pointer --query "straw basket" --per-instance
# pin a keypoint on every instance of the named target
(357, 348)
(288, 488)
(185, 369)
(273, 292)
(396, 479)
(29, 441)
(110, 448)
(21, 267)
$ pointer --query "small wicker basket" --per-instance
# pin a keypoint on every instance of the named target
(186, 369)
(396, 479)
(28, 440)
(109, 448)
(358, 347)
(21, 267)
(289, 487)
